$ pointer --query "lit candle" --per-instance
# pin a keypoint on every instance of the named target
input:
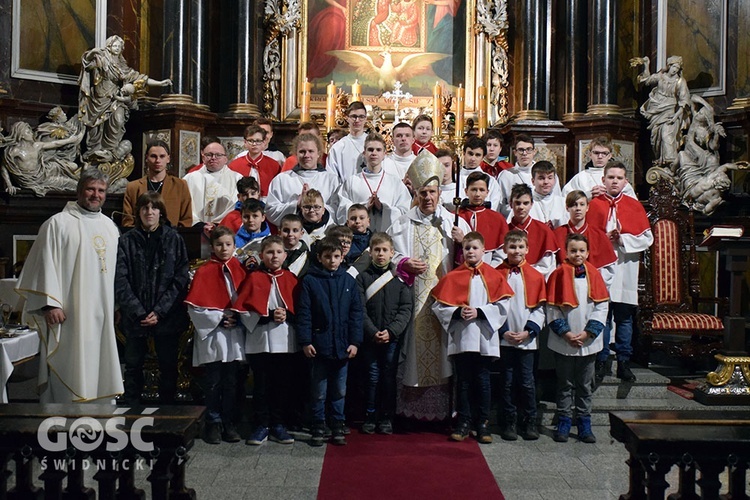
(437, 107)
(304, 112)
(460, 105)
(330, 107)
(356, 91)
(482, 109)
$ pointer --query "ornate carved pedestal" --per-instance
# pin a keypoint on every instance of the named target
(729, 384)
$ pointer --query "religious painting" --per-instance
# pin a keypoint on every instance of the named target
(190, 151)
(50, 37)
(22, 244)
(379, 42)
(697, 31)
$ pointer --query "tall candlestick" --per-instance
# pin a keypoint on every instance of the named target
(460, 106)
(437, 108)
(356, 91)
(304, 111)
(330, 107)
(482, 109)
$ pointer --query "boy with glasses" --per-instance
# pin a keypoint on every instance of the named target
(590, 179)
(520, 172)
(255, 163)
(343, 156)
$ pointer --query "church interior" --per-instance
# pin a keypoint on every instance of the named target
(563, 72)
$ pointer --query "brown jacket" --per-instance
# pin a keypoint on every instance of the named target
(176, 199)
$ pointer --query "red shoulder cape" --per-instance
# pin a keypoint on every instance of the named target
(253, 293)
(541, 239)
(208, 288)
(561, 289)
(490, 224)
(417, 147)
(268, 168)
(631, 216)
(453, 288)
(533, 282)
(601, 252)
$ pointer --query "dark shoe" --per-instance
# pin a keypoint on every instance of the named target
(318, 434)
(385, 426)
(600, 372)
(562, 432)
(461, 431)
(530, 431)
(212, 433)
(338, 437)
(327, 431)
(346, 429)
(280, 435)
(508, 431)
(230, 434)
(258, 437)
(624, 372)
(370, 423)
(585, 434)
(484, 435)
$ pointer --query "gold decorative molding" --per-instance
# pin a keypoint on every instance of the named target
(172, 99)
(243, 108)
(532, 114)
(727, 367)
(603, 109)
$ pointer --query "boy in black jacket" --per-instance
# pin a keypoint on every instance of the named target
(388, 309)
(329, 329)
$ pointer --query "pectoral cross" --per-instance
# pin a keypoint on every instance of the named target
(100, 246)
(396, 96)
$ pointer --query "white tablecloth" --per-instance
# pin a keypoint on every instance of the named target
(24, 345)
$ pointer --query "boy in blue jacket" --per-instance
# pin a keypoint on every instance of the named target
(329, 330)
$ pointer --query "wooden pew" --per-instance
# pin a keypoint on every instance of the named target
(58, 436)
(692, 440)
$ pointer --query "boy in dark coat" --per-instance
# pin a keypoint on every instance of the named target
(388, 309)
(329, 330)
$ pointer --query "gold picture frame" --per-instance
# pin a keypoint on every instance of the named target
(296, 66)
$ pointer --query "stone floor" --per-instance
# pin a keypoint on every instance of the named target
(540, 469)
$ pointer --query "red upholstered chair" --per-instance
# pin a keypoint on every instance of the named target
(669, 301)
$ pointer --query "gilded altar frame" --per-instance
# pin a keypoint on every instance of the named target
(286, 53)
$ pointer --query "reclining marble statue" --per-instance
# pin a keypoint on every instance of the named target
(49, 158)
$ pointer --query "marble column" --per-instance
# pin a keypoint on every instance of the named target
(244, 84)
(603, 58)
(5, 46)
(534, 59)
(176, 36)
(574, 23)
(198, 65)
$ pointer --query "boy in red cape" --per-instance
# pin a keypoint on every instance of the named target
(482, 219)
(265, 304)
(519, 345)
(576, 311)
(601, 253)
(471, 303)
(542, 245)
(626, 224)
(423, 135)
(255, 163)
(219, 339)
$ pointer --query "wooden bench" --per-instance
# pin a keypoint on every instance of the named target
(692, 440)
(124, 439)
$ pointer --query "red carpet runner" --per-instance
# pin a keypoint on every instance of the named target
(406, 466)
